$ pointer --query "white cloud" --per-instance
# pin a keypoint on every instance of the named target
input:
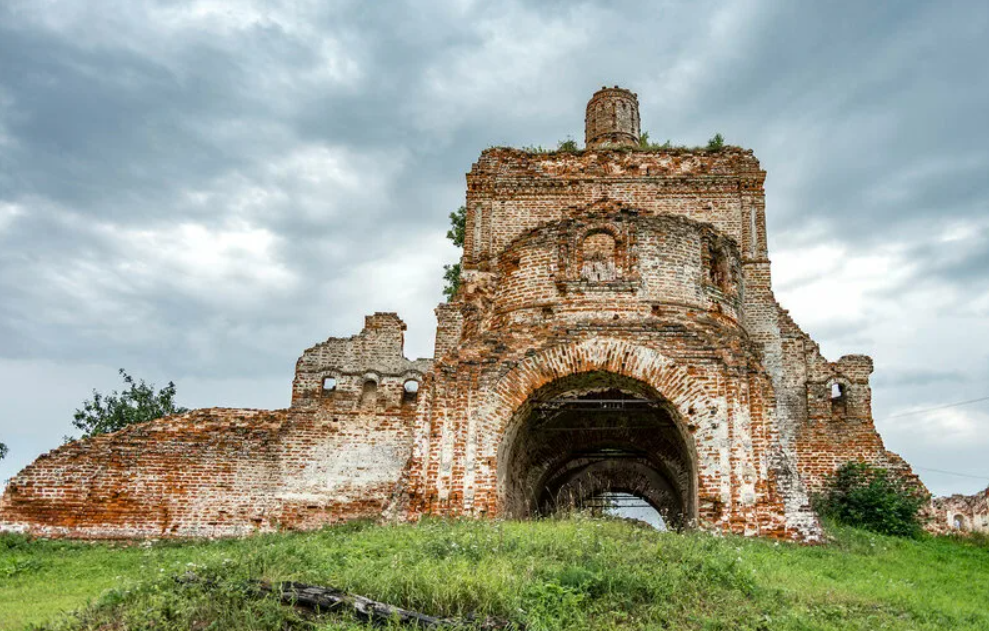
(515, 56)
(408, 279)
(829, 284)
(307, 182)
(238, 263)
(8, 214)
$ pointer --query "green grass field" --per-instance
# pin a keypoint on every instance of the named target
(554, 574)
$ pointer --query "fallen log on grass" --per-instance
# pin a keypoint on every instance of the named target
(328, 599)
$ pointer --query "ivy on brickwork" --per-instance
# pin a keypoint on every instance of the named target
(451, 273)
(139, 403)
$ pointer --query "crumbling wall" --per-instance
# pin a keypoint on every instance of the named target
(368, 369)
(961, 513)
(213, 472)
(831, 410)
(337, 454)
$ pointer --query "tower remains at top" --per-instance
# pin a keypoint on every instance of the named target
(612, 119)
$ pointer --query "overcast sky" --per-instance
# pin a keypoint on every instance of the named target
(197, 191)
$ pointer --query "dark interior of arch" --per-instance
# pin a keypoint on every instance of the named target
(593, 434)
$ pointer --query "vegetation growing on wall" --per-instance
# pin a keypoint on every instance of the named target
(861, 495)
(717, 143)
(139, 402)
(451, 273)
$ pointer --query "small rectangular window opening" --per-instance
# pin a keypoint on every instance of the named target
(837, 391)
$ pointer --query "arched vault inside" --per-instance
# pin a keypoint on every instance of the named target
(588, 435)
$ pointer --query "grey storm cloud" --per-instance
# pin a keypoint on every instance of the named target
(198, 191)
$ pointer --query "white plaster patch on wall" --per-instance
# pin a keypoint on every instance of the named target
(343, 471)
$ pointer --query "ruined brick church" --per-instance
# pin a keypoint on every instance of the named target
(615, 330)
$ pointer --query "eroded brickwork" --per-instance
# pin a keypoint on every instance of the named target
(961, 513)
(615, 330)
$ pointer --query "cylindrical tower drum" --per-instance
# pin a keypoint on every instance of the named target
(612, 119)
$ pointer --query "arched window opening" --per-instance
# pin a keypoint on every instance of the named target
(598, 257)
(329, 385)
(959, 522)
(410, 391)
(369, 392)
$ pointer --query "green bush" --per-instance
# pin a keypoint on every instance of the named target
(859, 494)
(567, 146)
(139, 403)
(717, 143)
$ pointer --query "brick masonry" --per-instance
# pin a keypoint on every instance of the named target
(961, 513)
(615, 330)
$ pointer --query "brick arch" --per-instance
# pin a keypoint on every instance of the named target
(503, 409)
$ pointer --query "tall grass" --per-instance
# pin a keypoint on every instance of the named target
(555, 574)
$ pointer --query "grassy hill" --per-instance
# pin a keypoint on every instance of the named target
(567, 574)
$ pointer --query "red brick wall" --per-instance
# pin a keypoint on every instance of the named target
(217, 472)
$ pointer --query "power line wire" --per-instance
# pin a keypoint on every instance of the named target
(940, 407)
(964, 475)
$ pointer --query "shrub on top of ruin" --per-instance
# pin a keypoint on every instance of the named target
(535, 149)
(567, 146)
(717, 143)
(3, 451)
(456, 233)
(644, 143)
(859, 494)
(140, 402)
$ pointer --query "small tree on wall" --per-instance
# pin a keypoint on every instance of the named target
(3, 451)
(140, 402)
(451, 273)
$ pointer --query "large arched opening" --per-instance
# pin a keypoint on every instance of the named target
(595, 435)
